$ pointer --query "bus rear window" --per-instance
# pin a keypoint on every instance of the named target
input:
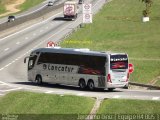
(118, 62)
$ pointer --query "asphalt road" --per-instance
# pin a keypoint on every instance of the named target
(33, 9)
(13, 49)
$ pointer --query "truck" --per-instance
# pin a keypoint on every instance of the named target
(70, 10)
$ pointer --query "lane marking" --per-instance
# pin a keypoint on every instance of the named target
(116, 96)
(48, 92)
(30, 27)
(7, 84)
(6, 49)
(41, 43)
(1, 94)
(81, 94)
(8, 64)
(17, 43)
(43, 40)
(26, 38)
(10, 89)
(3, 83)
(1, 69)
(155, 98)
(41, 30)
(34, 34)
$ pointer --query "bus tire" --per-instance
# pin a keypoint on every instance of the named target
(111, 89)
(90, 85)
(82, 84)
(38, 80)
(125, 87)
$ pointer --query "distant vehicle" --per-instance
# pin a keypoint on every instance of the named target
(11, 18)
(80, 2)
(70, 10)
(78, 67)
(50, 3)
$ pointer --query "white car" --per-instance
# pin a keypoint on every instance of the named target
(50, 3)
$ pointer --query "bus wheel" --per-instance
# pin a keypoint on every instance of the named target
(82, 84)
(90, 85)
(38, 79)
(111, 89)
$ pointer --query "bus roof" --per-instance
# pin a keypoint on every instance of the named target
(81, 51)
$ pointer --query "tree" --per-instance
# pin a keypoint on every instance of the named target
(148, 3)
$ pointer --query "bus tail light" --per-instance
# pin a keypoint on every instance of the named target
(109, 78)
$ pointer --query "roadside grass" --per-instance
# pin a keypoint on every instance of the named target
(2, 8)
(118, 27)
(145, 71)
(44, 106)
(158, 82)
(124, 106)
(25, 6)
(29, 3)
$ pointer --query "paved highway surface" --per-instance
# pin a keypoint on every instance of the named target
(33, 10)
(13, 49)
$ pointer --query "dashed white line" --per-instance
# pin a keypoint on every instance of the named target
(17, 43)
(8, 64)
(26, 38)
(30, 27)
(37, 44)
(1, 69)
(155, 98)
(6, 49)
(41, 30)
(16, 59)
(34, 34)
(1, 94)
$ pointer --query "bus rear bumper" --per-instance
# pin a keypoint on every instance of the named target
(117, 85)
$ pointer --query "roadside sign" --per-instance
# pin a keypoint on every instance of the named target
(131, 68)
(87, 8)
(87, 18)
(87, 13)
(51, 44)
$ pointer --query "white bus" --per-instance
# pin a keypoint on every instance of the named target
(78, 67)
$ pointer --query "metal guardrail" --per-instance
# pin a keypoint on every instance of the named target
(145, 85)
(29, 17)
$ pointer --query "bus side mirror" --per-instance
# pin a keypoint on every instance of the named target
(25, 59)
